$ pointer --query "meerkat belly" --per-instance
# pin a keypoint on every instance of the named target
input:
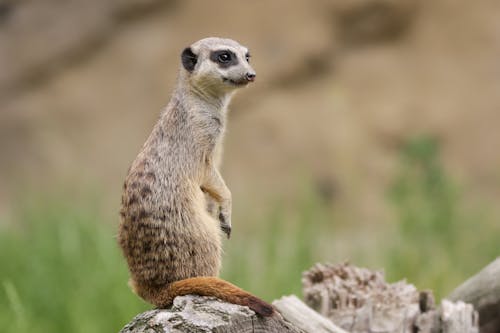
(176, 244)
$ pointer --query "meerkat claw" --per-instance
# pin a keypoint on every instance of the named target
(226, 227)
(227, 230)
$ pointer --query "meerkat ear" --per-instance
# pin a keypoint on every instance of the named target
(189, 59)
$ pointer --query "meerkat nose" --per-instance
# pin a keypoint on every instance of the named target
(250, 77)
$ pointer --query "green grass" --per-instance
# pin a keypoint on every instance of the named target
(61, 270)
(440, 239)
(269, 259)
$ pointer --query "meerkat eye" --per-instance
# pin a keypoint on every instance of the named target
(224, 57)
(247, 57)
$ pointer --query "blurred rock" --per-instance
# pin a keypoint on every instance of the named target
(373, 21)
(40, 37)
(82, 82)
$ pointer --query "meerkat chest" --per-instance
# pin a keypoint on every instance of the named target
(213, 131)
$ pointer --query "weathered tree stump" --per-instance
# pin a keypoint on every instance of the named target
(360, 300)
(483, 291)
(197, 314)
(348, 299)
(303, 317)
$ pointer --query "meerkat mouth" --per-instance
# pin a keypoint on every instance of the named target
(242, 82)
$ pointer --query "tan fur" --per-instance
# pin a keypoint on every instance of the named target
(171, 241)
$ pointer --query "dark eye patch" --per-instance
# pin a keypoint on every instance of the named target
(247, 57)
(224, 58)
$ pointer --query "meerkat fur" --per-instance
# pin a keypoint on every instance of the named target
(175, 204)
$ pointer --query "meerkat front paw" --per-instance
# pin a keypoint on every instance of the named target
(225, 223)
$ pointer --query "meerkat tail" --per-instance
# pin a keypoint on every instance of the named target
(205, 286)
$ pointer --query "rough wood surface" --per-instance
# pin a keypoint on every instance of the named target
(458, 317)
(360, 300)
(483, 291)
(303, 317)
(450, 317)
(356, 299)
(198, 314)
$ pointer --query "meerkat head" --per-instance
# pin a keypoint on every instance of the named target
(217, 65)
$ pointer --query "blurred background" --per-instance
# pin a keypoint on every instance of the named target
(371, 135)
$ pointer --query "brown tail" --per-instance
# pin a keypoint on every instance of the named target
(204, 286)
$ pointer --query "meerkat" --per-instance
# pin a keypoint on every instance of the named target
(170, 233)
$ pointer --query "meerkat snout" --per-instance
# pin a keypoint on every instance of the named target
(251, 77)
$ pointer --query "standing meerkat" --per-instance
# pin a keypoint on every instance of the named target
(169, 231)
